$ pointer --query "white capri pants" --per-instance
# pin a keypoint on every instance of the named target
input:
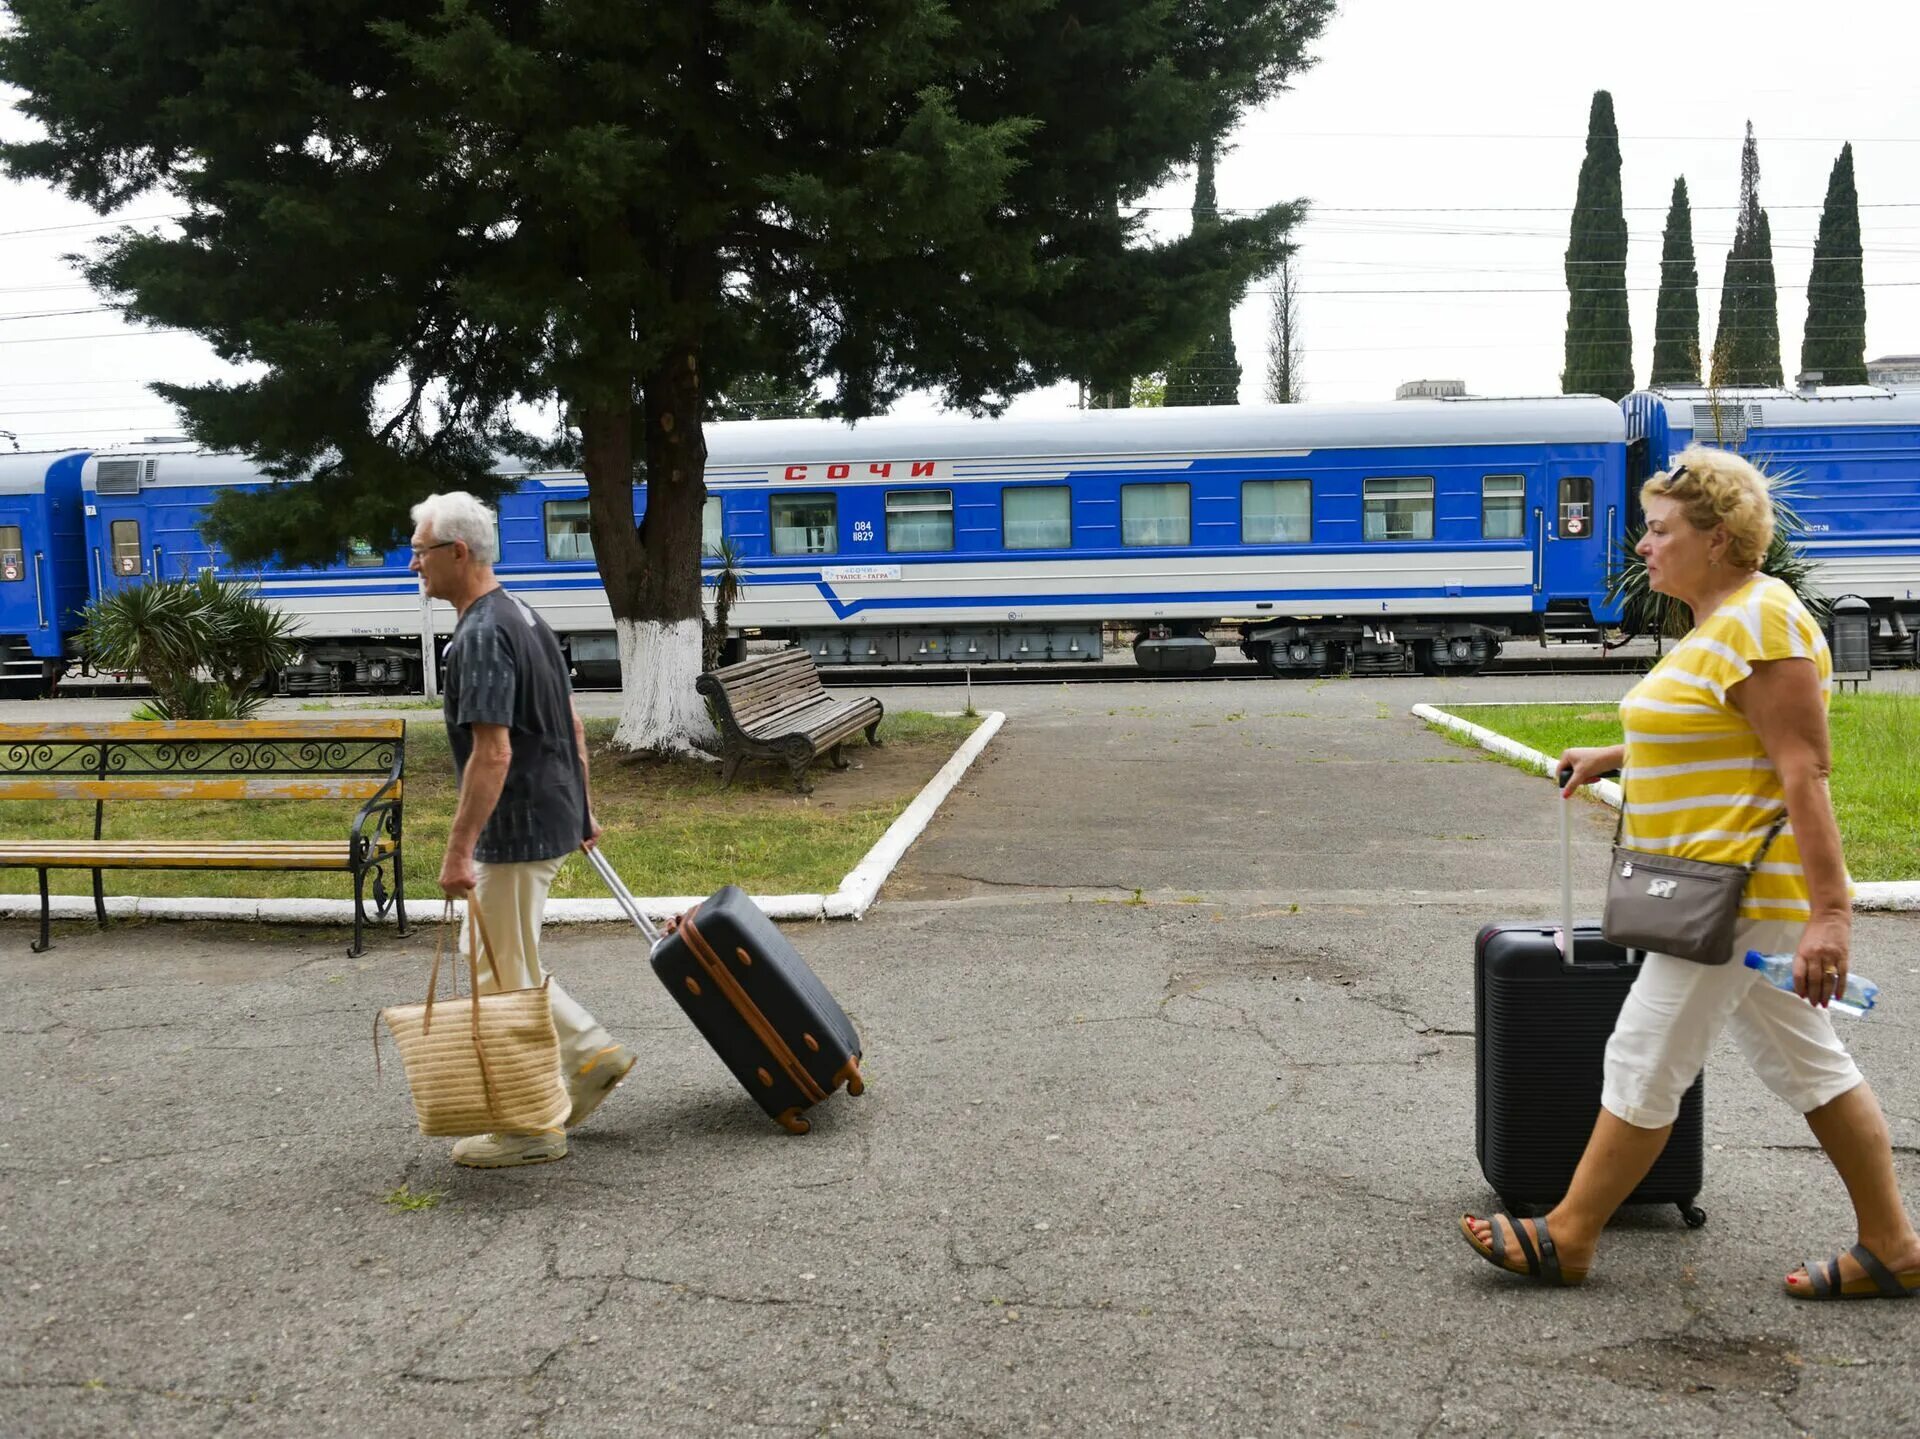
(1676, 1010)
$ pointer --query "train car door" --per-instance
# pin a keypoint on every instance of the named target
(1569, 541)
(26, 604)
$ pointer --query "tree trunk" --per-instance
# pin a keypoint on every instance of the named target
(652, 571)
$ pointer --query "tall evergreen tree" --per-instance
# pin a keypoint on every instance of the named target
(1676, 317)
(1286, 355)
(1599, 355)
(1746, 345)
(413, 219)
(1210, 372)
(1835, 342)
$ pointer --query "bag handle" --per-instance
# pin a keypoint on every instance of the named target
(473, 993)
(1773, 833)
(433, 981)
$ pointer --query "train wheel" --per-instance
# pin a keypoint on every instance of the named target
(1262, 655)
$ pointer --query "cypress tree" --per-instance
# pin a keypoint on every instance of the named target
(1746, 346)
(1676, 319)
(1835, 342)
(1599, 354)
(1210, 373)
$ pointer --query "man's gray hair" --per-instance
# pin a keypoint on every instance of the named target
(458, 515)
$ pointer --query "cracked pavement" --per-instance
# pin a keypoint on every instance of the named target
(1169, 1040)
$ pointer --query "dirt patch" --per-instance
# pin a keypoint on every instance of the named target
(1699, 1366)
(890, 774)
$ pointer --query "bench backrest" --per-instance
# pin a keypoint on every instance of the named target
(202, 759)
(765, 686)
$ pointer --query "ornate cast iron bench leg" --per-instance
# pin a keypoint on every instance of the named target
(732, 766)
(99, 899)
(359, 908)
(45, 941)
(873, 733)
(840, 761)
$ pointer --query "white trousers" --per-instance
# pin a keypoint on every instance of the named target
(513, 900)
(1676, 1010)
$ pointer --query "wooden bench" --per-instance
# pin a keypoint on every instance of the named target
(774, 707)
(214, 760)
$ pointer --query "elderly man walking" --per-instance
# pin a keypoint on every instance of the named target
(520, 751)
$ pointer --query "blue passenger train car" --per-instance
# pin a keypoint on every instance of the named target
(1366, 537)
(1850, 460)
(42, 583)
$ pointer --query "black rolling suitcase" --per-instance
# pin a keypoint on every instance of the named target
(748, 991)
(1541, 1027)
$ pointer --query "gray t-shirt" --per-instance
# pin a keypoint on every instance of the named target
(505, 667)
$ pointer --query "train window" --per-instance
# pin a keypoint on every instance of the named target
(1503, 507)
(569, 537)
(1156, 514)
(805, 524)
(13, 556)
(710, 531)
(1399, 508)
(1576, 507)
(919, 521)
(1276, 512)
(1036, 517)
(117, 477)
(125, 535)
(361, 555)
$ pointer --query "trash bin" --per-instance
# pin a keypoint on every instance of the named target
(1852, 640)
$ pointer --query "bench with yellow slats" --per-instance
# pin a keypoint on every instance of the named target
(343, 759)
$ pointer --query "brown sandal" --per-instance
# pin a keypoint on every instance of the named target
(1879, 1282)
(1542, 1264)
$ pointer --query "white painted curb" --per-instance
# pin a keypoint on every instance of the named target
(852, 900)
(1898, 894)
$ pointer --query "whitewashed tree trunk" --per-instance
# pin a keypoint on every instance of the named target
(660, 712)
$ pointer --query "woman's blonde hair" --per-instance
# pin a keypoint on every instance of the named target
(1717, 487)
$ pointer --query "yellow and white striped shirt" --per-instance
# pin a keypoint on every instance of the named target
(1698, 781)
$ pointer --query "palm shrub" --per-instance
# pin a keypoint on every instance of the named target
(726, 593)
(203, 645)
(1645, 612)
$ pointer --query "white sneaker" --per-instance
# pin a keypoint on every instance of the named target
(595, 1080)
(502, 1151)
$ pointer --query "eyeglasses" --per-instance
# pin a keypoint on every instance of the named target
(419, 550)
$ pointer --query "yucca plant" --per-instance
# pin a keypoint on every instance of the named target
(204, 646)
(1643, 611)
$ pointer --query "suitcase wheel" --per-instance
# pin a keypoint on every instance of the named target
(850, 1075)
(792, 1121)
(1695, 1216)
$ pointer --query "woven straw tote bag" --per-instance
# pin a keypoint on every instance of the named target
(486, 1064)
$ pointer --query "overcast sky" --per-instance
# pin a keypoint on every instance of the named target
(1439, 145)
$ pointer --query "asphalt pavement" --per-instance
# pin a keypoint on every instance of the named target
(1169, 1030)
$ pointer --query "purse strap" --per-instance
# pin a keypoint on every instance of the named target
(1773, 831)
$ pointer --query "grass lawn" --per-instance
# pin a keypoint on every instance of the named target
(1876, 767)
(670, 828)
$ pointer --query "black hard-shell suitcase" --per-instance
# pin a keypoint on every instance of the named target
(1541, 1026)
(752, 996)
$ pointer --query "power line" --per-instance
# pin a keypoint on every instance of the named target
(111, 335)
(59, 314)
(88, 225)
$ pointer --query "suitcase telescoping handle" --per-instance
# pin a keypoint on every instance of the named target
(1566, 861)
(623, 896)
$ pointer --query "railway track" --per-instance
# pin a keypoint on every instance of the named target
(1109, 672)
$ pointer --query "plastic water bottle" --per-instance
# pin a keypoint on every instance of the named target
(1856, 999)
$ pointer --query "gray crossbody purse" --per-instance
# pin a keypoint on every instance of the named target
(1684, 907)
